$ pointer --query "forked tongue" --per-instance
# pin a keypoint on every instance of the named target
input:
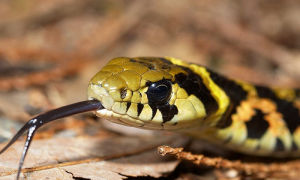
(32, 125)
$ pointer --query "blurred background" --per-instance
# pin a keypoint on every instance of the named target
(50, 49)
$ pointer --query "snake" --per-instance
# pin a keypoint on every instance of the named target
(165, 93)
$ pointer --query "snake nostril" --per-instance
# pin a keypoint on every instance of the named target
(123, 93)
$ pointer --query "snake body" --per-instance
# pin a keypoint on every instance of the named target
(170, 94)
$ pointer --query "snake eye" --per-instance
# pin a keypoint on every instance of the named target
(159, 92)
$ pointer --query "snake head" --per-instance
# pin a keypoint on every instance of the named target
(147, 92)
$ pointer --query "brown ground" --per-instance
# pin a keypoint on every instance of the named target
(50, 49)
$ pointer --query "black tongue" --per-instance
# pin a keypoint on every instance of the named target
(32, 125)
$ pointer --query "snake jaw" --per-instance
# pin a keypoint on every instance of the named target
(114, 111)
(119, 111)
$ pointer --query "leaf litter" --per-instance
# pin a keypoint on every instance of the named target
(64, 43)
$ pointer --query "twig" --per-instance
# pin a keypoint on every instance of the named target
(288, 168)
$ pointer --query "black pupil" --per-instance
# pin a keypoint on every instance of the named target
(159, 92)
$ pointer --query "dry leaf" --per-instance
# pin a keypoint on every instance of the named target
(89, 157)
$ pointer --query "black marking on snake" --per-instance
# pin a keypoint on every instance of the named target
(291, 114)
(226, 120)
(148, 65)
(193, 84)
(235, 92)
(154, 110)
(128, 106)
(140, 107)
(279, 146)
(257, 126)
(168, 112)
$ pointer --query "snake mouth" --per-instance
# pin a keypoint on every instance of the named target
(125, 119)
(137, 114)
(122, 111)
(119, 118)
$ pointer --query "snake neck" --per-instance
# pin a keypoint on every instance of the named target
(254, 119)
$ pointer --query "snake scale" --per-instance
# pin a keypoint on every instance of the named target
(170, 94)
